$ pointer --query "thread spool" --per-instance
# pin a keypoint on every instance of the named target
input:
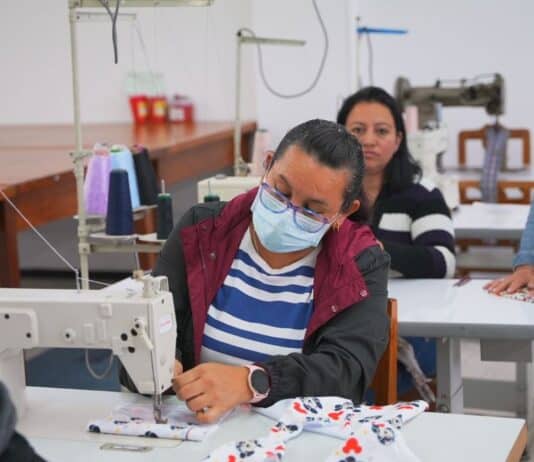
(96, 185)
(211, 197)
(121, 158)
(165, 220)
(262, 144)
(146, 176)
(119, 218)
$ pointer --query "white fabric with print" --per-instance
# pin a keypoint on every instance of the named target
(370, 433)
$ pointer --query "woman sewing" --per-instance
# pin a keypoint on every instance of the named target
(277, 294)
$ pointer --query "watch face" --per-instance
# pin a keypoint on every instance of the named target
(260, 381)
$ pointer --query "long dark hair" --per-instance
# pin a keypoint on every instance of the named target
(402, 169)
(333, 146)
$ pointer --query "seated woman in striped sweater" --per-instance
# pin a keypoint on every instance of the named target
(276, 294)
(410, 217)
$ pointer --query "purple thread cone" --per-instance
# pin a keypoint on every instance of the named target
(119, 219)
(96, 185)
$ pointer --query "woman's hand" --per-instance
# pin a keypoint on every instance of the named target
(523, 276)
(212, 389)
(178, 368)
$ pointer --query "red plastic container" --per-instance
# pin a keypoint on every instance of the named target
(158, 108)
(139, 107)
(181, 109)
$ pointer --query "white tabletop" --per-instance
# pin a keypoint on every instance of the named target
(436, 308)
(482, 220)
(56, 420)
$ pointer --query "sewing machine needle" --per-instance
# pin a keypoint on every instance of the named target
(157, 409)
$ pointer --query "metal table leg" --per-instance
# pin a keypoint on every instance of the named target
(449, 376)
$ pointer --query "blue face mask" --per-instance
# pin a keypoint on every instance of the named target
(279, 233)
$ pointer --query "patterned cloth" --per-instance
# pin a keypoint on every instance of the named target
(521, 295)
(496, 139)
(138, 420)
(370, 433)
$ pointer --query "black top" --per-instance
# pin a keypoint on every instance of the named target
(416, 229)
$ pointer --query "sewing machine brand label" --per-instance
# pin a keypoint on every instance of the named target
(165, 323)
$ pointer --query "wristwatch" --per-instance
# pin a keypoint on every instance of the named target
(258, 382)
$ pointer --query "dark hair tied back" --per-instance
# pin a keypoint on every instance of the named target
(331, 145)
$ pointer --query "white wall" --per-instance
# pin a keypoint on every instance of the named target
(292, 69)
(447, 40)
(455, 39)
(195, 51)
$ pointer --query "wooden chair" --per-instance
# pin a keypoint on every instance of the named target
(524, 187)
(385, 381)
(518, 133)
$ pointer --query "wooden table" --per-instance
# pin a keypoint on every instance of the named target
(36, 169)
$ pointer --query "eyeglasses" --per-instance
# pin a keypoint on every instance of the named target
(307, 220)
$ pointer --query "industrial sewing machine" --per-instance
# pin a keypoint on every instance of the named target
(137, 325)
(430, 141)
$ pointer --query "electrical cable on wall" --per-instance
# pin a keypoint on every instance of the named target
(113, 16)
(321, 65)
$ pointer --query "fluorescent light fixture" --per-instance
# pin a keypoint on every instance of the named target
(138, 3)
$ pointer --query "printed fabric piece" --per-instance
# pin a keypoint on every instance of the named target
(138, 420)
(521, 295)
(496, 139)
(370, 433)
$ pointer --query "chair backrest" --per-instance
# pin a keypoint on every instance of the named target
(385, 381)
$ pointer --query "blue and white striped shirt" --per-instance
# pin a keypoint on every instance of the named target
(259, 311)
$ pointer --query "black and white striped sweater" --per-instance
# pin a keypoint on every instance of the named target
(416, 229)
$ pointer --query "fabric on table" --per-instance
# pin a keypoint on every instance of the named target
(138, 420)
(370, 433)
(521, 295)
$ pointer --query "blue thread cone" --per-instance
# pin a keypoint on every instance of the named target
(165, 221)
(119, 219)
(146, 176)
(121, 158)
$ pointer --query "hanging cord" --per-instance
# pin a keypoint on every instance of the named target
(321, 65)
(75, 270)
(113, 16)
(91, 370)
(78, 280)
(371, 60)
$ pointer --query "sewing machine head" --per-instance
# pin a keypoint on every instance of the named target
(475, 93)
(136, 322)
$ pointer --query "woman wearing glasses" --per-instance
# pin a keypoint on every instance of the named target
(277, 294)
